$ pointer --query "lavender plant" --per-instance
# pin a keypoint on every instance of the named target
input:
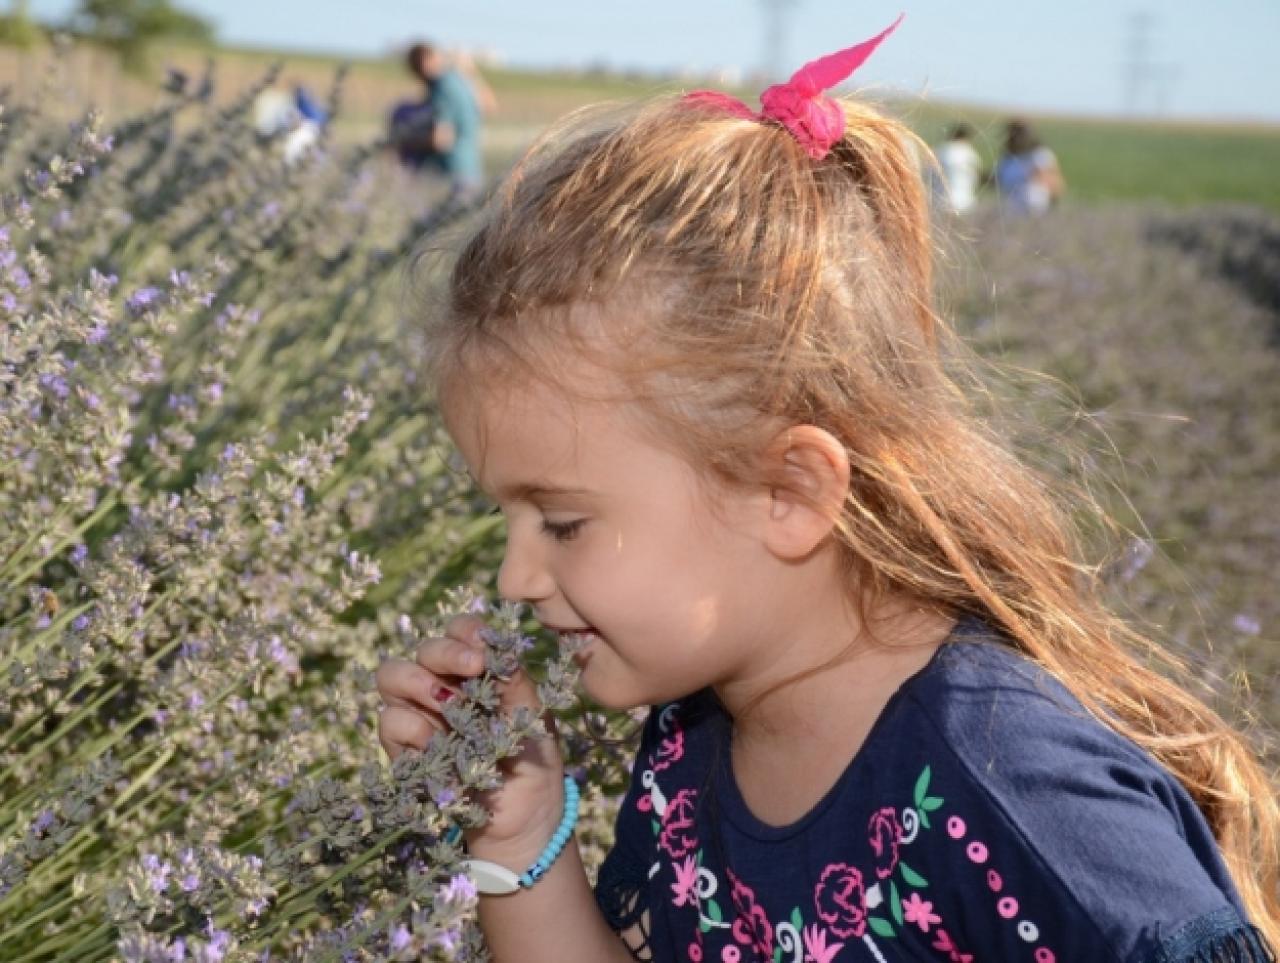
(209, 429)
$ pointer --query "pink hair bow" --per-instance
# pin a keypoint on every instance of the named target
(816, 121)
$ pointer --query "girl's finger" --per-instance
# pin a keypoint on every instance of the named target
(452, 656)
(401, 728)
(409, 683)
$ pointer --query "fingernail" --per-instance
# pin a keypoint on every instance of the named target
(473, 661)
(443, 695)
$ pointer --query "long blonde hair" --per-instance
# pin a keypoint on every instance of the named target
(779, 287)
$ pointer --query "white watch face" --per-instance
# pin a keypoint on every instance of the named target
(490, 878)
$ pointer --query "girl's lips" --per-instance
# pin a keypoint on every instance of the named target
(578, 641)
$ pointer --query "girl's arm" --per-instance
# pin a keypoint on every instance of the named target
(554, 921)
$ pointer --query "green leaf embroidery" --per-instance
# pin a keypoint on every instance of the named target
(881, 927)
(657, 828)
(895, 902)
(698, 858)
(924, 819)
(930, 803)
(797, 920)
(777, 955)
(713, 911)
(922, 787)
(912, 877)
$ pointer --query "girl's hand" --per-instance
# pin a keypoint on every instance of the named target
(526, 810)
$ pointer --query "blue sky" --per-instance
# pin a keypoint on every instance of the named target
(1202, 60)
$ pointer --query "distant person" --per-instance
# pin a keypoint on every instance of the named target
(442, 130)
(292, 121)
(1027, 175)
(959, 169)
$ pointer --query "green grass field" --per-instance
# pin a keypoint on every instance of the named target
(1179, 163)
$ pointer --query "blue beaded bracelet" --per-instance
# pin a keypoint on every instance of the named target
(558, 839)
(492, 879)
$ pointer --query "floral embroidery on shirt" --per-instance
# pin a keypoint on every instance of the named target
(841, 900)
(851, 904)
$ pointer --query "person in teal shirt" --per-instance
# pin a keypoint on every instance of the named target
(442, 131)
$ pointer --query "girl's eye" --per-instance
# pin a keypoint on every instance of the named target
(562, 531)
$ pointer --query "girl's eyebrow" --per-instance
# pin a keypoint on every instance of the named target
(528, 491)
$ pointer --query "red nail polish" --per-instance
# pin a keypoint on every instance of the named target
(443, 695)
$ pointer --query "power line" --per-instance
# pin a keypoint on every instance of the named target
(776, 22)
(1148, 83)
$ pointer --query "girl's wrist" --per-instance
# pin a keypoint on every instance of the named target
(513, 869)
(519, 851)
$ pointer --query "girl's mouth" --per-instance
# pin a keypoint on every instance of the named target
(578, 642)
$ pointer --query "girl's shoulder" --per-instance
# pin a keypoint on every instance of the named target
(1044, 798)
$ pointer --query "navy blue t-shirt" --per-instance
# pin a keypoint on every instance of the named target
(986, 818)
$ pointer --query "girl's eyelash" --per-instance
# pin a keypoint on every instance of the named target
(562, 531)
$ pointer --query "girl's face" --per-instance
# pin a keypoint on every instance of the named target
(610, 534)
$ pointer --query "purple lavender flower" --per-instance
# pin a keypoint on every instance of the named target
(43, 822)
(448, 938)
(97, 334)
(1246, 624)
(157, 872)
(55, 383)
(142, 300)
(400, 938)
(445, 796)
(459, 889)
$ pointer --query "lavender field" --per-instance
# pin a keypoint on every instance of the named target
(225, 496)
(1156, 333)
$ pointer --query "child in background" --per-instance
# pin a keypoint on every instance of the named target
(1027, 175)
(959, 170)
(693, 358)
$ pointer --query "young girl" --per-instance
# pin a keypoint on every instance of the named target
(692, 356)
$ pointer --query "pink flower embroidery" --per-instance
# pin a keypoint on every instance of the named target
(677, 837)
(884, 833)
(671, 750)
(816, 949)
(841, 900)
(919, 911)
(752, 927)
(684, 887)
(942, 941)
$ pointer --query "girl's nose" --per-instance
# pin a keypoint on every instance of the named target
(523, 577)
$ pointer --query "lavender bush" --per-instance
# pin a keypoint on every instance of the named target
(210, 425)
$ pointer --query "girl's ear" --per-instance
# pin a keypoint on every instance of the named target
(813, 469)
